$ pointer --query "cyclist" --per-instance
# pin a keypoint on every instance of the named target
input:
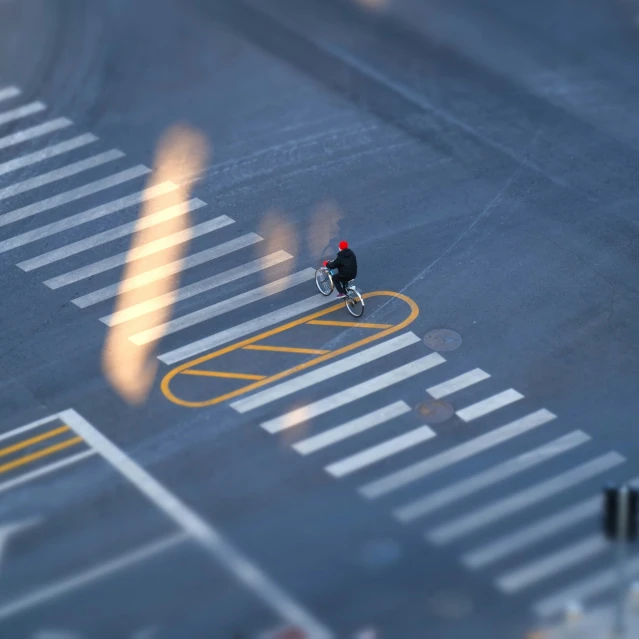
(346, 265)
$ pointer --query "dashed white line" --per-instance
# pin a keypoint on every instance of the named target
(488, 405)
(34, 132)
(457, 383)
(9, 92)
(21, 112)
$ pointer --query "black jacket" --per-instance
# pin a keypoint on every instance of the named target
(346, 264)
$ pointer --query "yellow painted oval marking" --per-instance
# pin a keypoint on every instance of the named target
(182, 368)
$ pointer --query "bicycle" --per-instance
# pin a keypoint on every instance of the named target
(325, 285)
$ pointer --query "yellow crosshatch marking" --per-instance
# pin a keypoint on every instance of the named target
(211, 398)
(39, 454)
(220, 374)
(285, 349)
(33, 440)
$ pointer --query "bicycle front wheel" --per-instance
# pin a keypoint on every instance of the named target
(354, 303)
(324, 281)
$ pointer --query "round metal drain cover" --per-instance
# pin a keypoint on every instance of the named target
(450, 605)
(435, 412)
(442, 339)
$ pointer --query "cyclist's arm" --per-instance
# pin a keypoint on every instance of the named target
(336, 263)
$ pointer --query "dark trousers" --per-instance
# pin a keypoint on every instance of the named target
(340, 284)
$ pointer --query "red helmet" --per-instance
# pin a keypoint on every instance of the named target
(343, 245)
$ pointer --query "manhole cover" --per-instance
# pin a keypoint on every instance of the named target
(450, 605)
(442, 339)
(435, 412)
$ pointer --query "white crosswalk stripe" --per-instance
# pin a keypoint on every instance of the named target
(469, 486)
(457, 383)
(46, 153)
(78, 219)
(34, 132)
(7, 93)
(352, 394)
(21, 112)
(467, 524)
(165, 270)
(488, 405)
(146, 250)
(430, 465)
(318, 375)
(351, 428)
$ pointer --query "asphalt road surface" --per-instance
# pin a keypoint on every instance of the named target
(291, 465)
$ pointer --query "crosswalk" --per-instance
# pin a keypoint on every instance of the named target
(67, 208)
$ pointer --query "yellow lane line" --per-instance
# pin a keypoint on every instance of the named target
(351, 324)
(41, 453)
(219, 374)
(285, 349)
(34, 440)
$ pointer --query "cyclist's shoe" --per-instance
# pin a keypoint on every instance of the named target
(341, 296)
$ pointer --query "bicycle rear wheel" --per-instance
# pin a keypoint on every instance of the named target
(324, 281)
(354, 303)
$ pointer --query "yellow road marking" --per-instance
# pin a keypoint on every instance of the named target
(285, 349)
(291, 371)
(33, 440)
(41, 453)
(219, 374)
(351, 324)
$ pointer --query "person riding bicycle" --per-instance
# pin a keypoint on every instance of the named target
(346, 265)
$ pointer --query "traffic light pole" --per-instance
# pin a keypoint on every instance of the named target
(619, 631)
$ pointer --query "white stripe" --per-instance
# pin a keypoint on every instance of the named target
(380, 451)
(488, 405)
(197, 288)
(21, 112)
(178, 266)
(81, 579)
(47, 153)
(348, 395)
(108, 236)
(73, 194)
(201, 530)
(34, 132)
(457, 383)
(354, 427)
(41, 472)
(325, 372)
(534, 572)
(60, 174)
(150, 248)
(511, 543)
(584, 589)
(9, 92)
(82, 218)
(454, 455)
(27, 427)
(215, 310)
(523, 499)
(244, 329)
(509, 468)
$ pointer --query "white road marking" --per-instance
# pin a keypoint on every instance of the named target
(73, 194)
(165, 270)
(428, 466)
(81, 579)
(21, 112)
(523, 499)
(60, 174)
(512, 542)
(201, 531)
(9, 92)
(380, 451)
(47, 153)
(446, 496)
(488, 405)
(457, 383)
(534, 572)
(215, 310)
(8, 530)
(26, 427)
(145, 250)
(197, 288)
(348, 395)
(109, 235)
(351, 428)
(45, 470)
(34, 132)
(244, 329)
(318, 375)
(582, 590)
(81, 218)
